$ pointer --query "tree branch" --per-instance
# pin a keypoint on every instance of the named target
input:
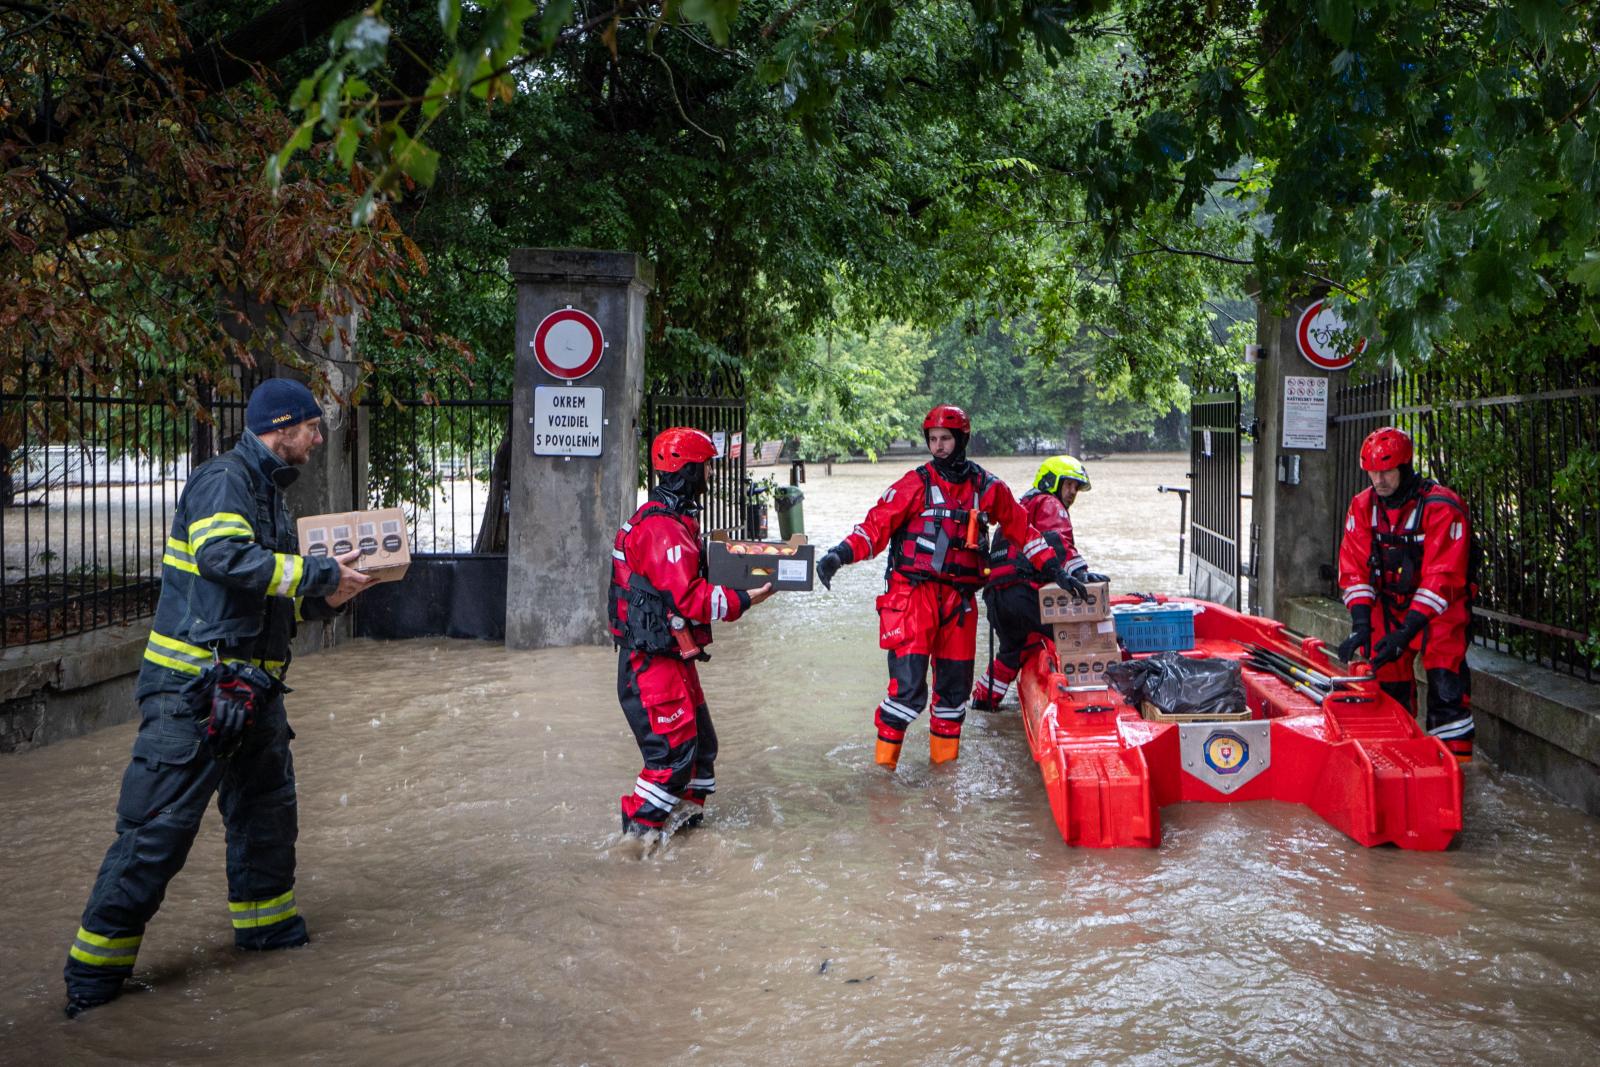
(265, 39)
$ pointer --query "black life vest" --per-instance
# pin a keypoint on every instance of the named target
(933, 547)
(1394, 561)
(641, 614)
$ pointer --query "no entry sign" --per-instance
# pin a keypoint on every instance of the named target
(1317, 337)
(568, 343)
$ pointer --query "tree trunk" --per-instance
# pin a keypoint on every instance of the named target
(1074, 440)
(494, 534)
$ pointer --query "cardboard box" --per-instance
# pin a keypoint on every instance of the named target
(1086, 638)
(1087, 669)
(789, 565)
(1057, 605)
(1154, 714)
(381, 535)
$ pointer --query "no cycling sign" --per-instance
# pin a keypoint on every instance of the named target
(1317, 337)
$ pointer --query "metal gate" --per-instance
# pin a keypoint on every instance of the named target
(716, 404)
(1215, 522)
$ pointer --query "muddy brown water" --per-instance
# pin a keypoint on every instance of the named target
(469, 901)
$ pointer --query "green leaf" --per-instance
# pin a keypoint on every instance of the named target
(417, 160)
(1337, 19)
(280, 160)
(438, 93)
(715, 15)
(450, 17)
(555, 16)
(331, 97)
(303, 93)
(1587, 272)
(348, 140)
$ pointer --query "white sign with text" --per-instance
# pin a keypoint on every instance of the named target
(567, 421)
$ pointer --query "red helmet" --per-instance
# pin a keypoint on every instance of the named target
(678, 445)
(947, 417)
(1385, 449)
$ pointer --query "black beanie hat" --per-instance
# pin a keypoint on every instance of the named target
(279, 403)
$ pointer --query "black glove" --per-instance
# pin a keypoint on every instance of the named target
(1360, 638)
(238, 691)
(1393, 644)
(832, 560)
(1071, 583)
(1091, 577)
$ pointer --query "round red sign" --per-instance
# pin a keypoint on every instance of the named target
(1318, 335)
(568, 343)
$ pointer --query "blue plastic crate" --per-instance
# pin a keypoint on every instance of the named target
(1161, 629)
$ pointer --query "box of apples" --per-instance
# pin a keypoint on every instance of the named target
(789, 565)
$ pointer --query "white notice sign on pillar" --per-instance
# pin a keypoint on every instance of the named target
(1305, 412)
(567, 421)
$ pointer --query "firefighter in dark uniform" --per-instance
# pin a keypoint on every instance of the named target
(661, 610)
(1407, 552)
(210, 695)
(1012, 595)
(934, 521)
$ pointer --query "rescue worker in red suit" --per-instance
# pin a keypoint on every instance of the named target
(1012, 595)
(1407, 553)
(932, 521)
(661, 610)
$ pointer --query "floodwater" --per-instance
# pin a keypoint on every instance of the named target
(469, 900)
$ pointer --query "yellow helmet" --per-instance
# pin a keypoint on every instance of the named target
(1056, 469)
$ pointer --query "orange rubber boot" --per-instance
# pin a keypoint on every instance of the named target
(943, 749)
(888, 754)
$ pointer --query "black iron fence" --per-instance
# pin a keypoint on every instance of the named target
(90, 469)
(1214, 468)
(439, 448)
(1524, 453)
(716, 405)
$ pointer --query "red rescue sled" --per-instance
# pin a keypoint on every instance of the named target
(1357, 759)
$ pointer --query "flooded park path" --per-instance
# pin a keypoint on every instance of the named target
(469, 901)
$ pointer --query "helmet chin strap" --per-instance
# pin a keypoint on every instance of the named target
(680, 490)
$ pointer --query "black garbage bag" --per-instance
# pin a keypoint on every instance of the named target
(1180, 685)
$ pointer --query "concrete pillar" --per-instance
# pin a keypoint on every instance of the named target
(565, 510)
(1296, 523)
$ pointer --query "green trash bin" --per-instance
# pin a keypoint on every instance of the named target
(791, 516)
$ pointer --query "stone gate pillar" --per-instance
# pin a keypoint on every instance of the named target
(574, 437)
(1293, 483)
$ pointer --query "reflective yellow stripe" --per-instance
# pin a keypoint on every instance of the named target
(222, 517)
(84, 956)
(253, 905)
(180, 556)
(172, 664)
(182, 648)
(87, 949)
(287, 570)
(268, 920)
(109, 942)
(248, 913)
(179, 646)
(220, 531)
(299, 605)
